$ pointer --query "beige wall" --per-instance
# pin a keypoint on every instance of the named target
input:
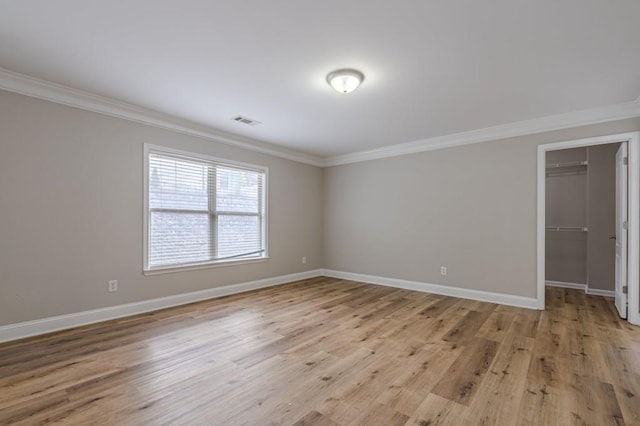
(71, 217)
(470, 208)
(71, 212)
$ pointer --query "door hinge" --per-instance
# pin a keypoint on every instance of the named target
(624, 225)
(625, 289)
(625, 161)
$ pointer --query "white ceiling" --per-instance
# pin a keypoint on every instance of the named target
(431, 68)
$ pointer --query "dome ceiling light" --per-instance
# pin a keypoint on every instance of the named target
(345, 80)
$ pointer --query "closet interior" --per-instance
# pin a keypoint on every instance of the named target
(580, 218)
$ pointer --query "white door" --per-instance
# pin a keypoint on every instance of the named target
(621, 230)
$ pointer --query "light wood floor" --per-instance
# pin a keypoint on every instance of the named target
(334, 352)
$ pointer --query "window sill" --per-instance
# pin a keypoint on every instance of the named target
(194, 267)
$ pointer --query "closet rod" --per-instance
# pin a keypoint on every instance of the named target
(569, 164)
(567, 228)
(565, 173)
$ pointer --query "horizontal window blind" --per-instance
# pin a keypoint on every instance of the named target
(202, 211)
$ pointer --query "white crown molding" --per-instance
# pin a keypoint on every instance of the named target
(520, 128)
(63, 322)
(41, 89)
(463, 293)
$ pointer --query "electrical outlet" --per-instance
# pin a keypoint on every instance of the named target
(304, 260)
(443, 270)
(113, 286)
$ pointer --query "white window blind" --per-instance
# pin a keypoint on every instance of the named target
(202, 211)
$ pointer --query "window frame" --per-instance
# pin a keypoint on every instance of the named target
(188, 155)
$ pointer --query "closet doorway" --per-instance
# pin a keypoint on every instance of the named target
(588, 218)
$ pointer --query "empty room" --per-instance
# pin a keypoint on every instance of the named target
(319, 213)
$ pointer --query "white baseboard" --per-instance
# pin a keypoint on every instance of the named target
(598, 292)
(584, 287)
(562, 284)
(62, 322)
(464, 293)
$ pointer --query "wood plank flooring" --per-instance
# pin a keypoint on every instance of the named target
(334, 352)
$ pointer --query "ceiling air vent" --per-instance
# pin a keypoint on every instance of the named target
(245, 120)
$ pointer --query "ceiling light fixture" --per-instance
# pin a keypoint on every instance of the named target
(345, 81)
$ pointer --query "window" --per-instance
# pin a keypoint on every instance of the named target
(201, 210)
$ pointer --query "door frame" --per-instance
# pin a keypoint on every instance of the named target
(633, 188)
(621, 234)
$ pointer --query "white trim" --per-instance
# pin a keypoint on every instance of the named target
(145, 206)
(189, 155)
(214, 264)
(562, 284)
(599, 292)
(463, 293)
(583, 287)
(42, 89)
(62, 322)
(633, 272)
(519, 128)
(633, 241)
(541, 224)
